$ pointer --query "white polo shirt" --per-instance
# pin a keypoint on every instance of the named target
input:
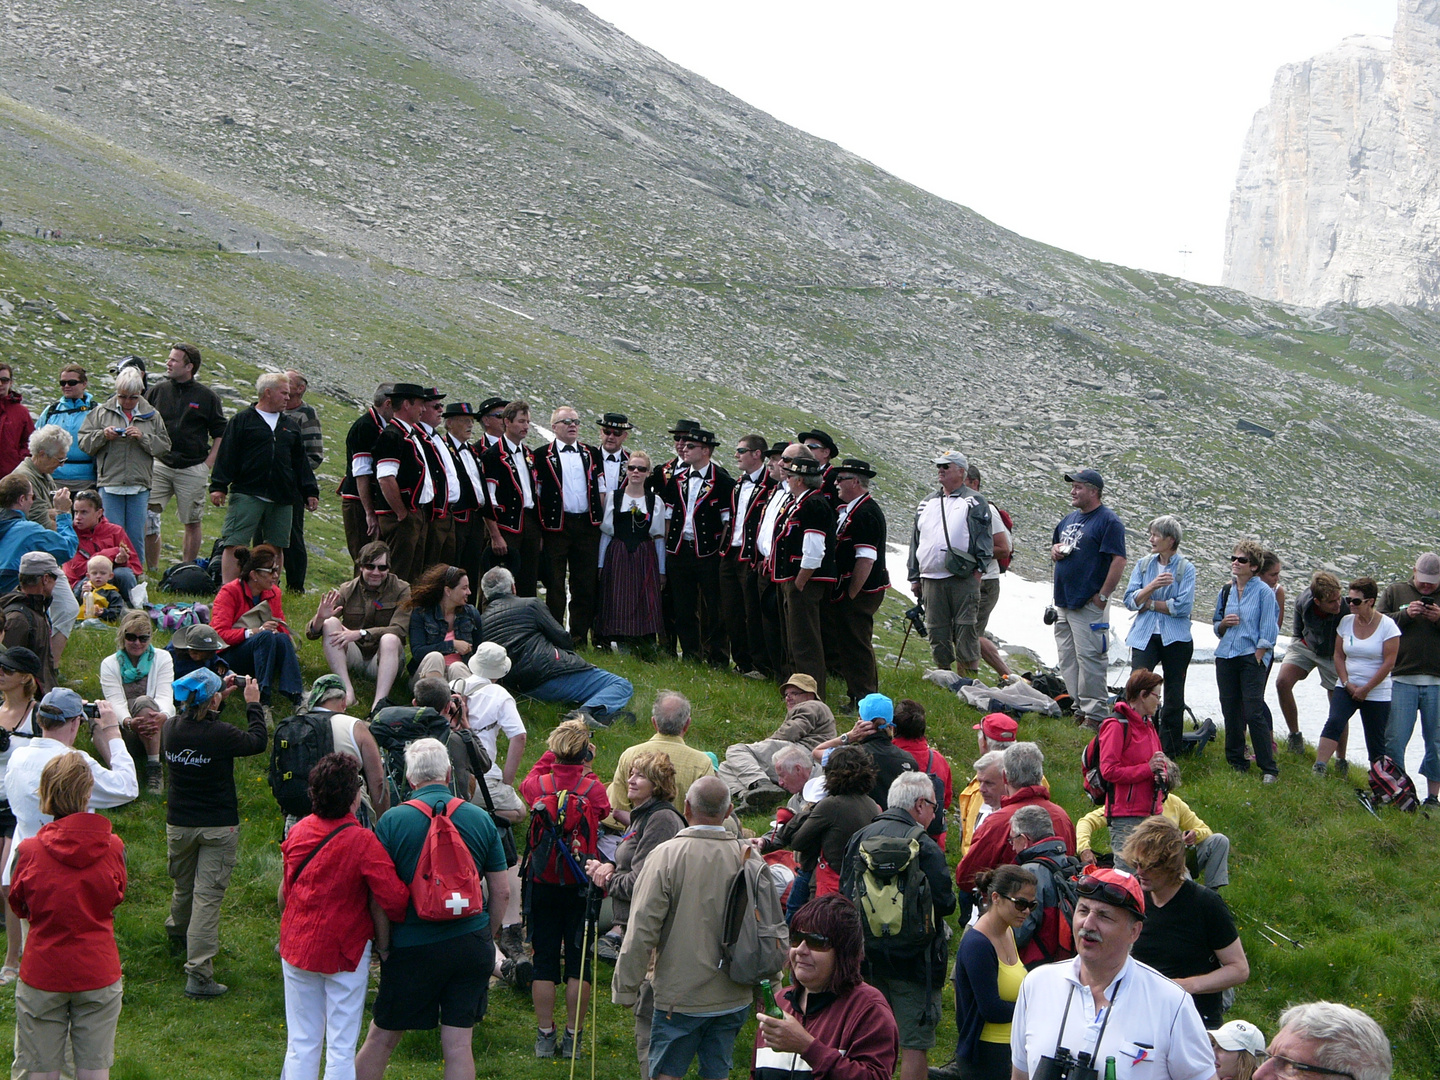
(1155, 1032)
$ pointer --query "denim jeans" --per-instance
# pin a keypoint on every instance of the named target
(594, 689)
(127, 511)
(1405, 700)
(268, 655)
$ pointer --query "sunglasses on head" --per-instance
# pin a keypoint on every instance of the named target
(137, 637)
(817, 942)
(1095, 889)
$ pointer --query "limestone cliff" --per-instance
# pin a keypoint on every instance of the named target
(1338, 193)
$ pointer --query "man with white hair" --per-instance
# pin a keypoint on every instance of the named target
(910, 975)
(260, 468)
(49, 447)
(435, 970)
(952, 525)
(1024, 769)
(982, 794)
(1322, 1039)
(1067, 1007)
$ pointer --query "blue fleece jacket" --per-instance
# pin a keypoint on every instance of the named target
(18, 534)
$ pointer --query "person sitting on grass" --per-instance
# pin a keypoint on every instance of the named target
(97, 595)
(197, 646)
(1208, 852)
(249, 616)
(134, 670)
(364, 624)
(97, 536)
(444, 625)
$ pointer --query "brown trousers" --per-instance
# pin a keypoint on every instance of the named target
(406, 540)
(440, 543)
(804, 611)
(850, 642)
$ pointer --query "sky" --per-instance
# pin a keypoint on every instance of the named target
(1111, 129)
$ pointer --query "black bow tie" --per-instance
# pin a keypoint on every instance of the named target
(569, 449)
(613, 457)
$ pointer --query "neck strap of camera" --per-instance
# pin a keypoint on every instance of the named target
(1065, 1016)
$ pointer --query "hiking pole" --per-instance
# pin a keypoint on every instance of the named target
(903, 642)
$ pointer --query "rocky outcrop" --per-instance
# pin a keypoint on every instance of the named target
(1338, 193)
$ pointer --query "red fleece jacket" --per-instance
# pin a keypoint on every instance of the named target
(855, 1039)
(1127, 743)
(105, 539)
(991, 846)
(232, 601)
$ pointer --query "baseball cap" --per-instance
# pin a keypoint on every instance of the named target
(878, 709)
(65, 701)
(1240, 1035)
(953, 457)
(1427, 568)
(37, 563)
(490, 661)
(998, 727)
(802, 682)
(1111, 886)
(1086, 476)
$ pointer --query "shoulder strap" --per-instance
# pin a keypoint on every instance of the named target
(316, 851)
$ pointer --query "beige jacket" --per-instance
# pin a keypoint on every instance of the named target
(810, 723)
(124, 462)
(682, 889)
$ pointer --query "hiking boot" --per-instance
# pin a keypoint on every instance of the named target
(1297, 743)
(546, 1045)
(1431, 800)
(596, 721)
(763, 797)
(202, 986)
(609, 946)
(1269, 778)
(1318, 768)
(949, 1071)
(570, 1043)
(380, 703)
(1341, 766)
(154, 778)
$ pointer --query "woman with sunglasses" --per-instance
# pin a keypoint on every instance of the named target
(137, 669)
(258, 642)
(19, 672)
(444, 625)
(125, 435)
(1366, 645)
(1131, 761)
(832, 1024)
(97, 536)
(988, 973)
(69, 413)
(1247, 621)
(632, 558)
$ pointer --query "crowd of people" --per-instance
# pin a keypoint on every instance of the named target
(775, 573)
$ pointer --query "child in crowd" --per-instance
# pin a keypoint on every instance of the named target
(98, 596)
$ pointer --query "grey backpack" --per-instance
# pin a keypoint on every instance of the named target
(755, 944)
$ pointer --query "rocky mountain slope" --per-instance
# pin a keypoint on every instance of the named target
(510, 195)
(1338, 194)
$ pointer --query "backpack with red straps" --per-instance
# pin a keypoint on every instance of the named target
(446, 885)
(1004, 561)
(561, 836)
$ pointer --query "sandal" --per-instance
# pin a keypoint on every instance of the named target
(8, 975)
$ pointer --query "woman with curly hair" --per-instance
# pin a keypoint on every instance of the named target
(832, 1024)
(338, 887)
(250, 618)
(1247, 623)
(819, 842)
(444, 625)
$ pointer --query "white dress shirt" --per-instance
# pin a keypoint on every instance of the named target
(613, 466)
(447, 462)
(517, 459)
(390, 467)
(469, 463)
(765, 536)
(576, 499)
(749, 483)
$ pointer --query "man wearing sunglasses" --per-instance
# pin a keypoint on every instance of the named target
(364, 623)
(1105, 1003)
(570, 476)
(1321, 1040)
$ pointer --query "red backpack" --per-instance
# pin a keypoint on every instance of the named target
(561, 836)
(446, 885)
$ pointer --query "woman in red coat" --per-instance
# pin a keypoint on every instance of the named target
(1131, 760)
(100, 536)
(265, 649)
(68, 880)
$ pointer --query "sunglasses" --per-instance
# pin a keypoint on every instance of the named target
(5, 379)
(1021, 903)
(817, 942)
(1356, 601)
(67, 383)
(637, 468)
(1240, 558)
(137, 637)
(815, 446)
(494, 416)
(380, 567)
(1094, 889)
(1290, 1069)
(575, 421)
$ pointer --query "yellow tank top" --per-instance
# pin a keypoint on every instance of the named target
(1008, 982)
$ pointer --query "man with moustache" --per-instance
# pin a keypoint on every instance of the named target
(568, 495)
(772, 621)
(470, 532)
(405, 486)
(862, 580)
(1156, 1022)
(358, 491)
(739, 584)
(697, 511)
(804, 563)
(509, 468)
(615, 428)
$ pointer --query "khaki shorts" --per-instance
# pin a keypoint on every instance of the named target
(189, 486)
(1302, 656)
(504, 797)
(43, 1019)
(250, 520)
(357, 661)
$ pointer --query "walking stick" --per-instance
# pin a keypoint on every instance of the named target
(914, 620)
(903, 642)
(586, 938)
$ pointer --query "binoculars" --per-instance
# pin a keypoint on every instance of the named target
(1062, 1066)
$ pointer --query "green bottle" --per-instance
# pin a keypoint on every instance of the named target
(1109, 1068)
(768, 1002)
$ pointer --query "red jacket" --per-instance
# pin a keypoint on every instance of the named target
(991, 845)
(68, 880)
(855, 1038)
(232, 601)
(105, 539)
(16, 425)
(326, 921)
(931, 761)
(1127, 743)
(568, 778)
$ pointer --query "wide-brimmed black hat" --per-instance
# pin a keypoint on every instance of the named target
(617, 420)
(490, 404)
(684, 427)
(854, 465)
(776, 449)
(459, 408)
(434, 393)
(701, 436)
(823, 438)
(803, 466)
(407, 390)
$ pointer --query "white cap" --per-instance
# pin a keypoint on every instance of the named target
(1240, 1035)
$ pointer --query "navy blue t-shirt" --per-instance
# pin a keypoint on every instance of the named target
(1098, 537)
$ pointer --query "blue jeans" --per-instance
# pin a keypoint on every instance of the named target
(1405, 700)
(269, 656)
(676, 1039)
(128, 511)
(593, 689)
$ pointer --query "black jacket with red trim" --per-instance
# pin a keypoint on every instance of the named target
(550, 497)
(864, 527)
(712, 512)
(808, 513)
(508, 497)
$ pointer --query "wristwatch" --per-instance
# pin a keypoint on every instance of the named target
(844, 739)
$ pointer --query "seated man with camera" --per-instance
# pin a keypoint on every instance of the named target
(1072, 1017)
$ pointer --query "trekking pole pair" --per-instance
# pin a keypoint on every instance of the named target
(590, 939)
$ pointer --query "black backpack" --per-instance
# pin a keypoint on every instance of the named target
(213, 566)
(1065, 871)
(189, 579)
(300, 742)
(395, 728)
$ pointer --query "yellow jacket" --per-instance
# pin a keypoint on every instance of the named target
(1175, 809)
